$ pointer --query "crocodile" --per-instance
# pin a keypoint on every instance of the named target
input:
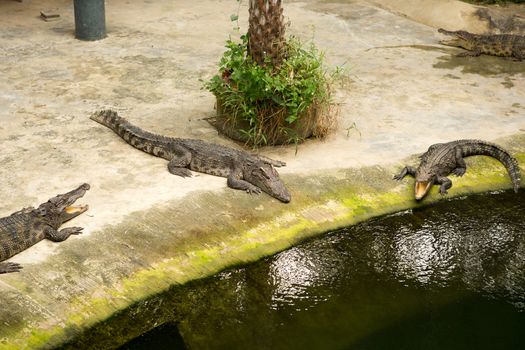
(24, 228)
(505, 45)
(244, 171)
(443, 159)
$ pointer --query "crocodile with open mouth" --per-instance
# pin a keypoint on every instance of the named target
(443, 159)
(505, 45)
(24, 228)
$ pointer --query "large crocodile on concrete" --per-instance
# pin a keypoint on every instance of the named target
(506, 45)
(244, 171)
(28, 226)
(442, 159)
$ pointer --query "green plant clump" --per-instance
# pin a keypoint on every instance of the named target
(271, 100)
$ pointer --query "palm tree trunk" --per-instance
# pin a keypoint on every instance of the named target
(266, 32)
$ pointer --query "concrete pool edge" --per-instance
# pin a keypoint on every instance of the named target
(322, 202)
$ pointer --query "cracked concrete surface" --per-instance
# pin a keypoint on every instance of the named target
(404, 92)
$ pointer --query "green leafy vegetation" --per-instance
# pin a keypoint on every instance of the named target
(265, 103)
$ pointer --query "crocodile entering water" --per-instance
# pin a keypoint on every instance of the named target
(446, 276)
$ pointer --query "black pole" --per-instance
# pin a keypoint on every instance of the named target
(90, 19)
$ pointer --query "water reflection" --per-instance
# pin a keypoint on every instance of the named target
(449, 276)
(291, 274)
(418, 256)
(295, 273)
(462, 243)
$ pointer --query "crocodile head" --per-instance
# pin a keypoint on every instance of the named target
(264, 176)
(60, 209)
(460, 38)
(424, 181)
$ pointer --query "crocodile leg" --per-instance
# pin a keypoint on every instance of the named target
(518, 55)
(408, 170)
(178, 165)
(8, 267)
(276, 163)
(62, 235)
(445, 184)
(461, 166)
(235, 181)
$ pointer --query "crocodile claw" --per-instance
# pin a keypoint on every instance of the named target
(75, 230)
(400, 176)
(182, 172)
(253, 190)
(10, 267)
(459, 171)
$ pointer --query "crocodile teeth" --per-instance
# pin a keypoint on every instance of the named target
(422, 188)
(76, 209)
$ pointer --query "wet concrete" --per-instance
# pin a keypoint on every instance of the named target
(147, 229)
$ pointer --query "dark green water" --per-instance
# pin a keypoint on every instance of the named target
(449, 276)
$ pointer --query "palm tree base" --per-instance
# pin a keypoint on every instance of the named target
(272, 128)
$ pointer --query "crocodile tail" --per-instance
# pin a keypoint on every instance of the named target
(108, 118)
(477, 147)
(154, 144)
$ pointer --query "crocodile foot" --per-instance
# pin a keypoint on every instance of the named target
(182, 172)
(459, 171)
(74, 230)
(401, 175)
(253, 190)
(10, 267)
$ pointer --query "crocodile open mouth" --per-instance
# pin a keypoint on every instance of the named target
(422, 188)
(76, 209)
(452, 42)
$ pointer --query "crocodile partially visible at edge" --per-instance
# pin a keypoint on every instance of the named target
(442, 159)
(244, 171)
(505, 45)
(24, 228)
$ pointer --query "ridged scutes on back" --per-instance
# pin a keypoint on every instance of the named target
(16, 234)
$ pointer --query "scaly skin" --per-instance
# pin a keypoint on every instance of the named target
(24, 228)
(505, 45)
(443, 159)
(243, 171)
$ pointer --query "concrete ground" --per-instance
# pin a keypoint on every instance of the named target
(147, 228)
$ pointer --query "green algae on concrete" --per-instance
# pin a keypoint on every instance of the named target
(145, 257)
(149, 67)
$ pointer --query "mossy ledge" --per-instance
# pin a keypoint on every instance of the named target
(93, 279)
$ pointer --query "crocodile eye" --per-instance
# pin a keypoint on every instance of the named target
(264, 172)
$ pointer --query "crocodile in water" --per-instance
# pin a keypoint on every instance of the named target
(443, 159)
(506, 45)
(243, 170)
(28, 226)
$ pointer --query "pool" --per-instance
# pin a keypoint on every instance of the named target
(446, 276)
